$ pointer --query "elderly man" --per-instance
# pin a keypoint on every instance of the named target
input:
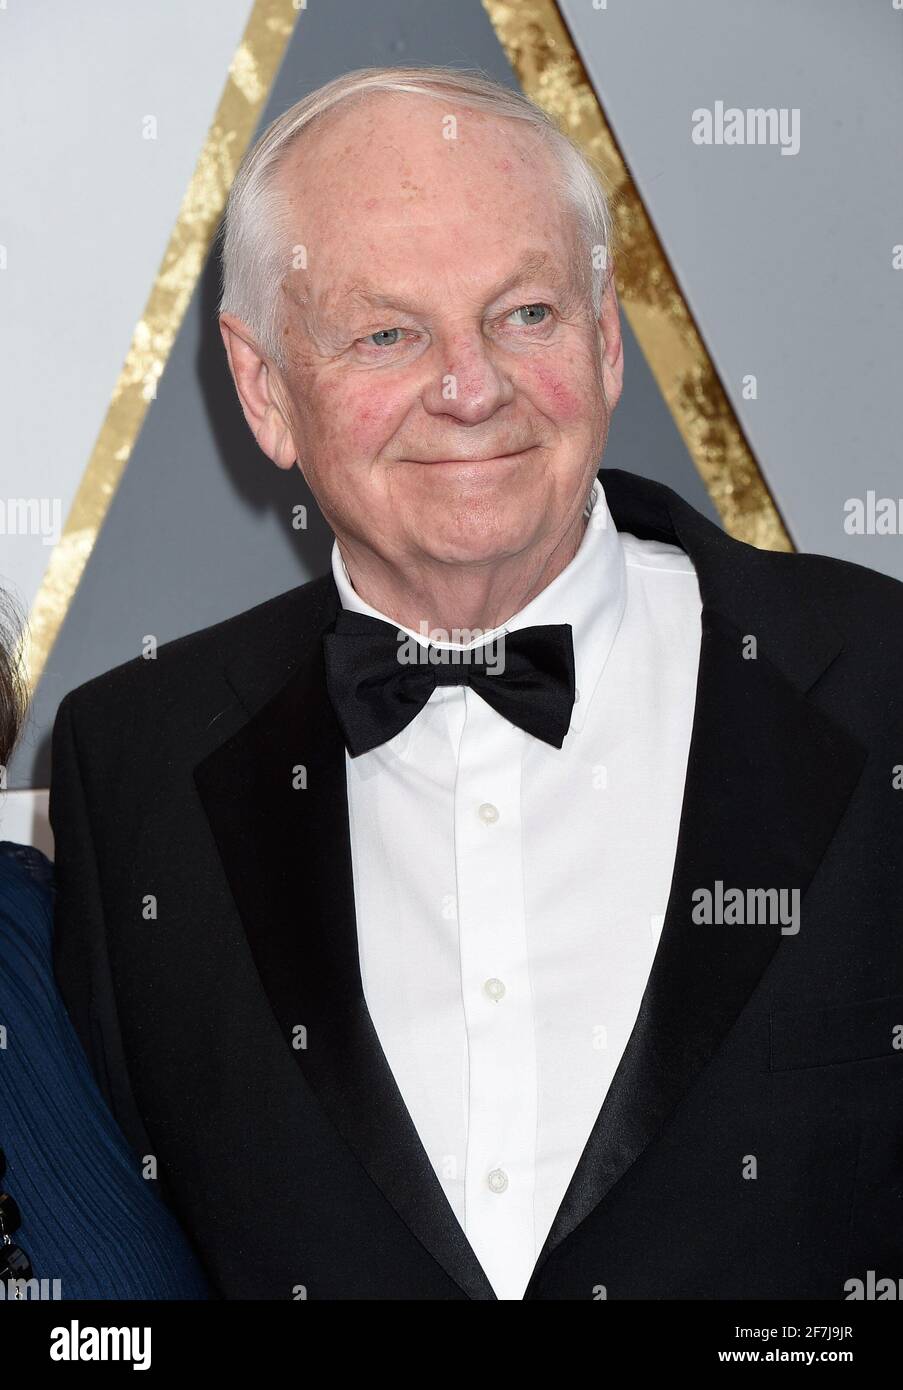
(514, 911)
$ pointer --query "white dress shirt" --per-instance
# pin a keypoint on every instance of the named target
(510, 895)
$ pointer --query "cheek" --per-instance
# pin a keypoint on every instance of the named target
(357, 421)
(563, 391)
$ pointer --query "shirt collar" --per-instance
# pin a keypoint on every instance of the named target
(590, 593)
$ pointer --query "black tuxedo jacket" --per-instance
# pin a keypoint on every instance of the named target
(751, 1143)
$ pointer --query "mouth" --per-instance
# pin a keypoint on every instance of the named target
(471, 462)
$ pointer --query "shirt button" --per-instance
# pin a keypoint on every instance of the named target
(495, 989)
(498, 1180)
(488, 813)
(576, 695)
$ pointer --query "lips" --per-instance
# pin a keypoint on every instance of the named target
(487, 458)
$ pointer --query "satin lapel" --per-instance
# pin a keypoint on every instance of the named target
(286, 853)
(768, 778)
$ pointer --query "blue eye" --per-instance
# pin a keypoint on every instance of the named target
(533, 311)
(383, 338)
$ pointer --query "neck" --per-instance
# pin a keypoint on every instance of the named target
(443, 599)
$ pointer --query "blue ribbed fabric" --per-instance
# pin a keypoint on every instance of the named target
(89, 1218)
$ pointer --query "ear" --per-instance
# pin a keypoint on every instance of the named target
(611, 342)
(253, 379)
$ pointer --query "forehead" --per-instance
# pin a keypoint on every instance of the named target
(407, 131)
(390, 190)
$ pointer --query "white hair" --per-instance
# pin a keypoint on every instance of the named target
(254, 250)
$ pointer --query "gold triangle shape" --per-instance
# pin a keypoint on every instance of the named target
(539, 48)
(251, 72)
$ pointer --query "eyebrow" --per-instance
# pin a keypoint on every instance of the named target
(532, 265)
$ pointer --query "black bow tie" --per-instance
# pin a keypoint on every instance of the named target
(379, 678)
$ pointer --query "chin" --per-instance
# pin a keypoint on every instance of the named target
(474, 539)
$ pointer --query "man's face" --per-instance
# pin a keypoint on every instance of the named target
(447, 387)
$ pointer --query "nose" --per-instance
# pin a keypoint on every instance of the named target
(468, 384)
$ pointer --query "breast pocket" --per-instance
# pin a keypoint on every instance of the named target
(858, 1032)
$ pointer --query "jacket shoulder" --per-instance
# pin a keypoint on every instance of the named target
(857, 600)
(861, 607)
(269, 633)
(846, 580)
